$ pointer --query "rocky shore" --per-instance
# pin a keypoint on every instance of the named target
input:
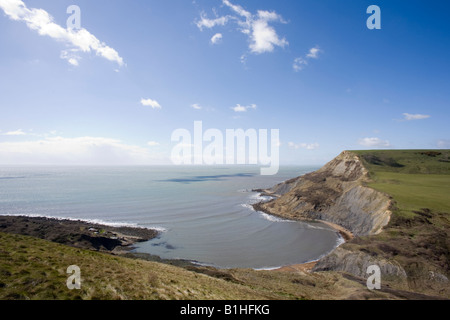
(80, 234)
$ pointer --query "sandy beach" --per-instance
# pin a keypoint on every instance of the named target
(307, 267)
(347, 235)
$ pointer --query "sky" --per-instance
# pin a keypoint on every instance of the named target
(113, 89)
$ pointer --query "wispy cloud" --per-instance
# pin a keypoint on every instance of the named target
(151, 103)
(71, 56)
(301, 62)
(239, 108)
(307, 146)
(374, 143)
(41, 21)
(79, 151)
(15, 133)
(313, 53)
(411, 117)
(262, 36)
(216, 38)
(444, 143)
(204, 22)
(196, 106)
(153, 144)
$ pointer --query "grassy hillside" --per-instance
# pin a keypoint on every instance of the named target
(418, 235)
(416, 179)
(407, 161)
(32, 268)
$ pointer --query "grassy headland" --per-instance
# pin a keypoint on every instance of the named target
(416, 179)
(418, 235)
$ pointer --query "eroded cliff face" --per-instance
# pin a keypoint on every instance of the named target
(357, 263)
(335, 193)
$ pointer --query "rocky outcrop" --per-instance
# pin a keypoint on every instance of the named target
(80, 234)
(357, 263)
(336, 193)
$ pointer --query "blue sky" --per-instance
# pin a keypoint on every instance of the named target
(114, 92)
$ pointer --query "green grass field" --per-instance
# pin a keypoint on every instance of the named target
(416, 179)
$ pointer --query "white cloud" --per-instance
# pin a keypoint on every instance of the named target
(216, 38)
(240, 108)
(374, 143)
(76, 151)
(196, 106)
(313, 53)
(204, 22)
(307, 146)
(71, 56)
(444, 144)
(41, 21)
(238, 9)
(299, 64)
(410, 117)
(15, 133)
(73, 62)
(262, 36)
(150, 103)
(153, 144)
(243, 59)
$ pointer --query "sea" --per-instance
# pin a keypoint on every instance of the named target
(204, 214)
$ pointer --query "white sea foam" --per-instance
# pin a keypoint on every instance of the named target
(248, 206)
(265, 216)
(340, 241)
(273, 218)
(93, 221)
(267, 268)
(258, 197)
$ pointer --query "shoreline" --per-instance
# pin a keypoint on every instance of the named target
(119, 238)
(306, 267)
(302, 267)
(78, 233)
(346, 234)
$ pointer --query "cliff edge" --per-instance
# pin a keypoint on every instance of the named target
(336, 193)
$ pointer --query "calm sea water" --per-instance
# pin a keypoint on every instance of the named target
(204, 213)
